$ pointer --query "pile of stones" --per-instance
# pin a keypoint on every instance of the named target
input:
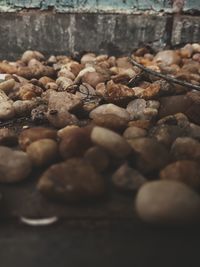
(98, 119)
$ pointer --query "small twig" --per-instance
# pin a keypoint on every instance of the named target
(164, 76)
(14, 121)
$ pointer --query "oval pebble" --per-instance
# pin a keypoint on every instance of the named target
(167, 202)
(33, 134)
(42, 152)
(111, 142)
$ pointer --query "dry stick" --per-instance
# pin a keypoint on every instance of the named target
(164, 76)
(14, 121)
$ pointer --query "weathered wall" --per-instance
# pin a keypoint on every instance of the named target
(99, 5)
(61, 33)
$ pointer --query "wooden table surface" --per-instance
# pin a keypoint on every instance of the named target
(105, 233)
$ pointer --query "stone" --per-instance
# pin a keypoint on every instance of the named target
(140, 109)
(42, 152)
(71, 181)
(185, 171)
(167, 57)
(24, 107)
(62, 132)
(151, 156)
(194, 109)
(38, 114)
(126, 178)
(186, 51)
(98, 158)
(7, 85)
(29, 54)
(112, 142)
(194, 131)
(29, 91)
(142, 124)
(110, 109)
(167, 202)
(117, 92)
(75, 142)
(189, 104)
(62, 101)
(7, 137)
(185, 148)
(134, 132)
(6, 107)
(15, 165)
(93, 78)
(167, 134)
(110, 121)
(80, 75)
(60, 118)
(87, 58)
(64, 83)
(171, 105)
(28, 136)
(124, 62)
(151, 92)
(178, 119)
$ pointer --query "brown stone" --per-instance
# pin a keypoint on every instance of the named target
(110, 121)
(151, 156)
(126, 178)
(167, 57)
(134, 132)
(185, 148)
(74, 142)
(71, 181)
(7, 137)
(42, 152)
(33, 134)
(185, 171)
(98, 158)
(167, 134)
